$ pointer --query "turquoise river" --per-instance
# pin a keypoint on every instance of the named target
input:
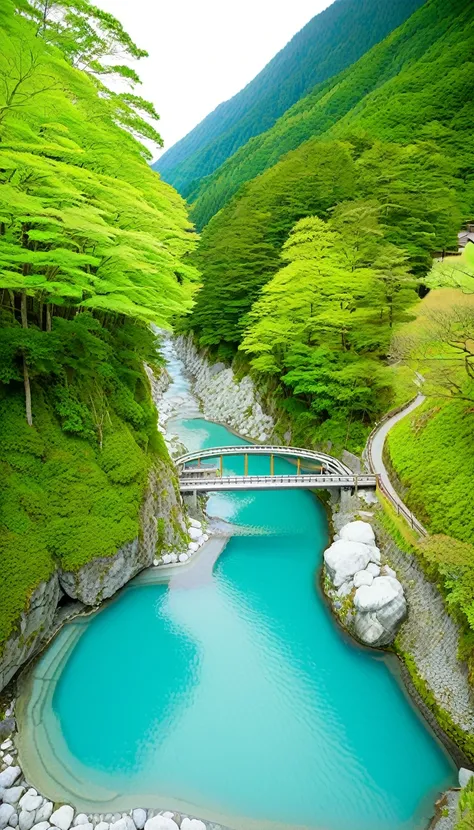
(231, 692)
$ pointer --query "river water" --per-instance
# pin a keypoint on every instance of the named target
(234, 692)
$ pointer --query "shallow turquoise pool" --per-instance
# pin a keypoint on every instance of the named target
(239, 695)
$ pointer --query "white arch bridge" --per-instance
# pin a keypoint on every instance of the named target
(324, 471)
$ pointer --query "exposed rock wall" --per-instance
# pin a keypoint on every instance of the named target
(162, 526)
(34, 624)
(235, 403)
(431, 637)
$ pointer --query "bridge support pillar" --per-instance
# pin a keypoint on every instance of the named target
(272, 465)
(298, 467)
(246, 464)
(221, 465)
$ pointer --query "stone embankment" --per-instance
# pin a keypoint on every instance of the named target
(365, 594)
(431, 637)
(224, 398)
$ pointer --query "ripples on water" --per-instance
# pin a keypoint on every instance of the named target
(239, 693)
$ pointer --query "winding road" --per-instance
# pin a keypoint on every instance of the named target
(374, 452)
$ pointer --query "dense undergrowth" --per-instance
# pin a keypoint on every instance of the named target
(69, 493)
(92, 248)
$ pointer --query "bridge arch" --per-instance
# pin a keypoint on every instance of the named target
(329, 464)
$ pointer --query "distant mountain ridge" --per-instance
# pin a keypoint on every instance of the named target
(328, 44)
(361, 92)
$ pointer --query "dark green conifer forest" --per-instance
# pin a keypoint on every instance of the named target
(327, 45)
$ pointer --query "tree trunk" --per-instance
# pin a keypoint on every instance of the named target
(12, 300)
(48, 316)
(26, 376)
(24, 314)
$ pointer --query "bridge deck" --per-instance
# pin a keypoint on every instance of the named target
(282, 482)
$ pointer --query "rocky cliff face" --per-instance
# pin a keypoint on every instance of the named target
(34, 624)
(162, 526)
(224, 399)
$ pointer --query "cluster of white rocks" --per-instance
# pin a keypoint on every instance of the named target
(224, 399)
(23, 808)
(198, 538)
(366, 593)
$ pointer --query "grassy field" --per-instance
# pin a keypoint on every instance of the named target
(432, 450)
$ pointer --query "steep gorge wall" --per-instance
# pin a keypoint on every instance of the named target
(224, 398)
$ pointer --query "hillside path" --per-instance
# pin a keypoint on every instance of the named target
(375, 447)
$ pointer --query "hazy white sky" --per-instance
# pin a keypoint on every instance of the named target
(204, 51)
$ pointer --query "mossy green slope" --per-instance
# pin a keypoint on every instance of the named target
(431, 452)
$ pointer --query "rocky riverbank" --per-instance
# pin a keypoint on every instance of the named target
(23, 808)
(364, 594)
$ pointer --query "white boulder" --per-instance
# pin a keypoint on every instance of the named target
(343, 559)
(31, 800)
(192, 824)
(464, 776)
(26, 820)
(375, 596)
(9, 776)
(6, 812)
(386, 570)
(44, 812)
(139, 818)
(102, 825)
(161, 823)
(368, 629)
(363, 578)
(13, 820)
(358, 532)
(373, 569)
(193, 547)
(195, 523)
(81, 818)
(63, 817)
(183, 557)
(195, 533)
(43, 825)
(6, 744)
(8, 759)
(12, 795)
(173, 558)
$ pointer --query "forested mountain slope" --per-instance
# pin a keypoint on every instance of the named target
(329, 43)
(91, 248)
(313, 302)
(373, 93)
